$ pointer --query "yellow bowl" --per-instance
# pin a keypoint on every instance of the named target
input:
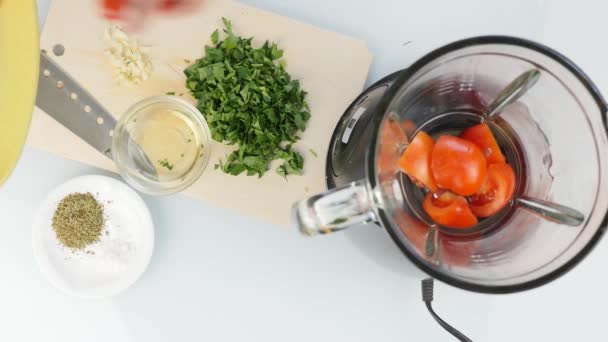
(19, 61)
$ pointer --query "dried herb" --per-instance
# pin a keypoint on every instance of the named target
(78, 220)
(165, 163)
(170, 93)
(250, 100)
(338, 221)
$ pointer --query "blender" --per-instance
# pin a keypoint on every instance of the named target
(554, 134)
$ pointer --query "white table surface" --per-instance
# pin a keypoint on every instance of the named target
(217, 276)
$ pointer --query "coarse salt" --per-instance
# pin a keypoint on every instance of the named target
(112, 253)
(109, 257)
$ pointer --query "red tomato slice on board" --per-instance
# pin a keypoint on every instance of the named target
(495, 192)
(416, 161)
(482, 136)
(112, 8)
(449, 210)
(167, 5)
(458, 165)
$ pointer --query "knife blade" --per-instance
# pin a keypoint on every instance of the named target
(66, 101)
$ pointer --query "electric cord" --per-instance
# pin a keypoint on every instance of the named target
(427, 297)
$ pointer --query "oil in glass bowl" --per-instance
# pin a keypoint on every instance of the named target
(161, 145)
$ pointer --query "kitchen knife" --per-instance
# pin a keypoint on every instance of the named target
(61, 97)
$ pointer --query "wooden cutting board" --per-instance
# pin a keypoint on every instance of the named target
(330, 66)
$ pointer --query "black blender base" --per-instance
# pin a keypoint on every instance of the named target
(351, 138)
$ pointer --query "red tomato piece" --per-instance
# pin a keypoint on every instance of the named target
(482, 136)
(458, 165)
(167, 5)
(416, 161)
(112, 8)
(495, 192)
(449, 210)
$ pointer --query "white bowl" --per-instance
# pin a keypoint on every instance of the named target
(99, 273)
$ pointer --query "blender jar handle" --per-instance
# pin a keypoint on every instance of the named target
(335, 209)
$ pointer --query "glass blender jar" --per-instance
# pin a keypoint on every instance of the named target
(555, 138)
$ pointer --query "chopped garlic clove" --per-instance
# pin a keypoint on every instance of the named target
(131, 64)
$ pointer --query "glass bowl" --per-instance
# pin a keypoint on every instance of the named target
(161, 145)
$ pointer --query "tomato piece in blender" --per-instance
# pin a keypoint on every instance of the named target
(496, 192)
(482, 136)
(391, 139)
(416, 161)
(449, 210)
(458, 165)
